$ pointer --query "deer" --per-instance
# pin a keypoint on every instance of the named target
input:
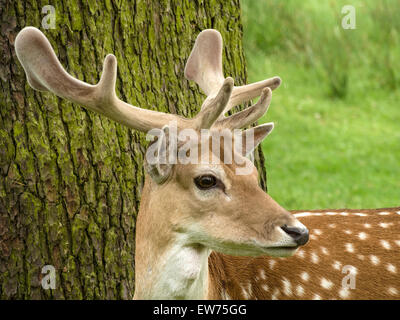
(204, 231)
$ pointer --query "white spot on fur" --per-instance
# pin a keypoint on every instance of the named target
(300, 253)
(262, 274)
(384, 213)
(314, 257)
(374, 260)
(272, 264)
(324, 250)
(336, 265)
(275, 294)
(245, 294)
(360, 256)
(391, 268)
(344, 293)
(344, 213)
(386, 244)
(360, 214)
(265, 287)
(332, 225)
(348, 231)
(305, 276)
(385, 225)
(299, 291)
(349, 247)
(302, 214)
(287, 287)
(326, 284)
(307, 214)
(367, 225)
(316, 297)
(331, 213)
(362, 236)
(397, 242)
(317, 232)
(393, 291)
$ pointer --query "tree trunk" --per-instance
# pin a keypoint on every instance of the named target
(70, 179)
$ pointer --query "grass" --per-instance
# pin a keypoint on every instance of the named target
(336, 142)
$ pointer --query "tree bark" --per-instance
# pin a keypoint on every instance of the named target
(71, 180)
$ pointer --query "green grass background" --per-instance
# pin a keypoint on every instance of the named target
(336, 142)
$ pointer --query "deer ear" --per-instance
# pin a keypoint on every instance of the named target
(252, 137)
(161, 154)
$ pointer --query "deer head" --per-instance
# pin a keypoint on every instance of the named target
(200, 204)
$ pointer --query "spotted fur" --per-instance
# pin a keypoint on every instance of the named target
(366, 240)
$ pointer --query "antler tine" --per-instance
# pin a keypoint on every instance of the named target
(251, 91)
(45, 73)
(212, 108)
(249, 115)
(204, 66)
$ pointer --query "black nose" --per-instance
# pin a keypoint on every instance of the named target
(300, 235)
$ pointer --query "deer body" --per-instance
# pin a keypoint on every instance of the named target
(205, 229)
(345, 245)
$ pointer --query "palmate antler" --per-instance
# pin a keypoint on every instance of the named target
(45, 73)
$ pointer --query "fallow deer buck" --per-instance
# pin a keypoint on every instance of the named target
(196, 220)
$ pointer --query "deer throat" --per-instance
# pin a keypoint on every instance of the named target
(184, 272)
(180, 272)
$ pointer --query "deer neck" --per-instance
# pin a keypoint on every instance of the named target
(167, 264)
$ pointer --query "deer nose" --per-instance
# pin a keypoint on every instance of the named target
(299, 235)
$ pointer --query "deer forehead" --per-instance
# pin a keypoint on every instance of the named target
(212, 144)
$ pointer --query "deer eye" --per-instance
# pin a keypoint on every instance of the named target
(205, 182)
